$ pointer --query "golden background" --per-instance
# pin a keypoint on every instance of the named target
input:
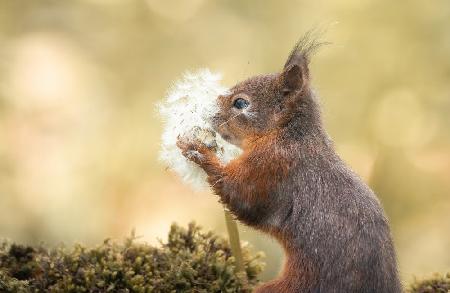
(79, 130)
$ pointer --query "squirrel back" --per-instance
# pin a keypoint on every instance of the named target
(290, 183)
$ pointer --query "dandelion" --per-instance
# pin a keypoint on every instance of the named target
(189, 105)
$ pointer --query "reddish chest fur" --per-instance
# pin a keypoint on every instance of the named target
(256, 173)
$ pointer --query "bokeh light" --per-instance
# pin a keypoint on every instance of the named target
(80, 134)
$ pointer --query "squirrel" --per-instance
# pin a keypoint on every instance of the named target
(290, 183)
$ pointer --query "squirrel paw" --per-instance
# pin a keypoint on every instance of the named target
(193, 149)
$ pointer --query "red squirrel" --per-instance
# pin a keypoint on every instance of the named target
(290, 183)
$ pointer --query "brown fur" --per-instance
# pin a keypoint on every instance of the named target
(290, 183)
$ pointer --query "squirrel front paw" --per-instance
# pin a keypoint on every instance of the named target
(194, 149)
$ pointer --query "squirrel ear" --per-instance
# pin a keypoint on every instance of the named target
(295, 73)
(293, 78)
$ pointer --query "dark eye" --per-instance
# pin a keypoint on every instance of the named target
(240, 103)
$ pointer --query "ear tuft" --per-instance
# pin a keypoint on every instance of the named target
(296, 72)
(305, 48)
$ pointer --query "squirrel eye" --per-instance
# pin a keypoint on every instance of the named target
(240, 103)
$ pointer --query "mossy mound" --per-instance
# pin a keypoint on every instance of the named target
(190, 261)
(436, 284)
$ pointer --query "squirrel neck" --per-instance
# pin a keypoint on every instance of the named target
(304, 124)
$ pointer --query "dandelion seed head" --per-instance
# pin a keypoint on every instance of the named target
(189, 104)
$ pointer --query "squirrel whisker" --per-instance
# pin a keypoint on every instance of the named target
(222, 124)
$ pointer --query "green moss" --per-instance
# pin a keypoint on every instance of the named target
(10, 284)
(436, 284)
(190, 261)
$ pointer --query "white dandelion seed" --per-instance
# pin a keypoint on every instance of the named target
(189, 104)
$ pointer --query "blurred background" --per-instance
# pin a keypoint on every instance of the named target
(79, 130)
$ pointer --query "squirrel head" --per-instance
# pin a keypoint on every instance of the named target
(264, 103)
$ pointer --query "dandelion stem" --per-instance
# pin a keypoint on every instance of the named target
(235, 244)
